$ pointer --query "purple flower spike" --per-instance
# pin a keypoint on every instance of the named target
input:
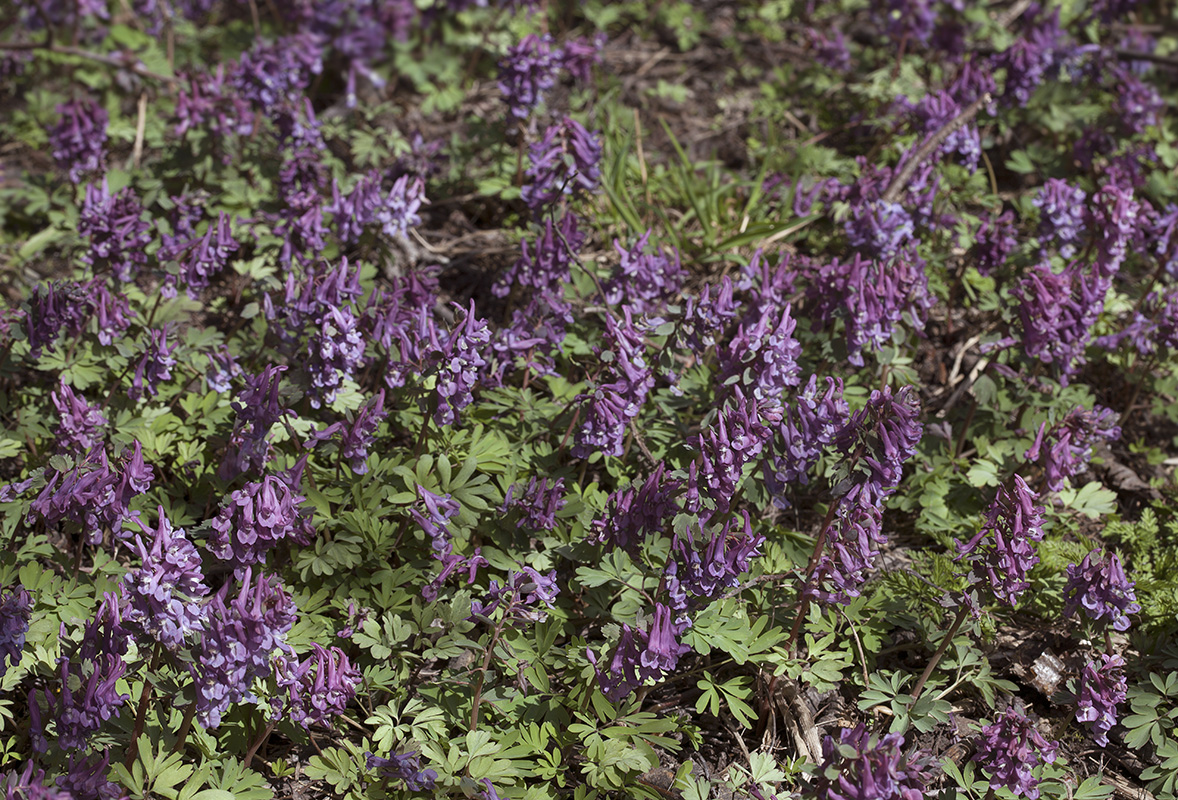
(404, 767)
(1003, 551)
(81, 424)
(635, 511)
(155, 365)
(879, 438)
(1010, 749)
(565, 160)
(1098, 585)
(808, 426)
(1064, 449)
(645, 282)
(863, 766)
(241, 638)
(164, 592)
(334, 353)
(538, 502)
(737, 439)
(642, 655)
(257, 518)
(81, 712)
(78, 139)
(854, 540)
(1061, 220)
(439, 510)
(1102, 689)
(116, 231)
(527, 72)
(458, 367)
(725, 557)
(15, 608)
(1057, 313)
(85, 779)
(324, 683)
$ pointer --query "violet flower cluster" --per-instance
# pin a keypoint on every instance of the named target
(16, 606)
(1099, 586)
(1102, 689)
(705, 567)
(641, 655)
(860, 765)
(164, 593)
(564, 160)
(78, 140)
(404, 767)
(765, 354)
(1002, 553)
(1061, 221)
(240, 639)
(81, 424)
(527, 72)
(368, 205)
(257, 518)
(636, 510)
(1064, 449)
(614, 402)
(739, 436)
(1057, 311)
(644, 282)
(808, 425)
(80, 712)
(355, 437)
(320, 686)
(538, 502)
(116, 231)
(1010, 749)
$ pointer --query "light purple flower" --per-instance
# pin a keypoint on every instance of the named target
(78, 139)
(860, 765)
(1002, 553)
(1010, 749)
(1098, 585)
(15, 608)
(1102, 689)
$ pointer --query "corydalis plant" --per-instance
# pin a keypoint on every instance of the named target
(860, 765)
(1010, 749)
(1102, 689)
(1001, 554)
(1098, 585)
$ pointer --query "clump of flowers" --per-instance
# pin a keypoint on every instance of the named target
(320, 686)
(1063, 450)
(860, 765)
(1002, 553)
(78, 140)
(808, 425)
(641, 655)
(116, 231)
(164, 593)
(257, 518)
(81, 424)
(538, 501)
(15, 607)
(1057, 311)
(1061, 209)
(404, 767)
(1098, 585)
(1102, 689)
(1010, 749)
(527, 72)
(564, 160)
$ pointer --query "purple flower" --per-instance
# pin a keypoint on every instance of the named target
(853, 542)
(766, 352)
(15, 608)
(258, 406)
(116, 230)
(642, 655)
(1102, 689)
(706, 316)
(1003, 551)
(617, 400)
(164, 592)
(367, 204)
(439, 510)
(94, 495)
(737, 439)
(321, 686)
(906, 20)
(644, 282)
(1116, 221)
(223, 368)
(208, 99)
(808, 426)
(1057, 313)
(829, 51)
(155, 365)
(1009, 749)
(105, 634)
(356, 437)
(633, 512)
(257, 518)
(276, 73)
(81, 712)
(996, 240)
(85, 779)
(1064, 449)
(518, 597)
(458, 366)
(579, 56)
(55, 307)
(871, 297)
(1098, 585)
(938, 109)
(527, 72)
(863, 766)
(725, 556)
(30, 784)
(1028, 60)
(879, 438)
(538, 502)
(404, 767)
(565, 159)
(78, 139)
(80, 428)
(241, 637)
(334, 353)
(880, 228)
(203, 257)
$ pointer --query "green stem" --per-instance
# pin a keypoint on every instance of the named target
(478, 687)
(803, 606)
(141, 712)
